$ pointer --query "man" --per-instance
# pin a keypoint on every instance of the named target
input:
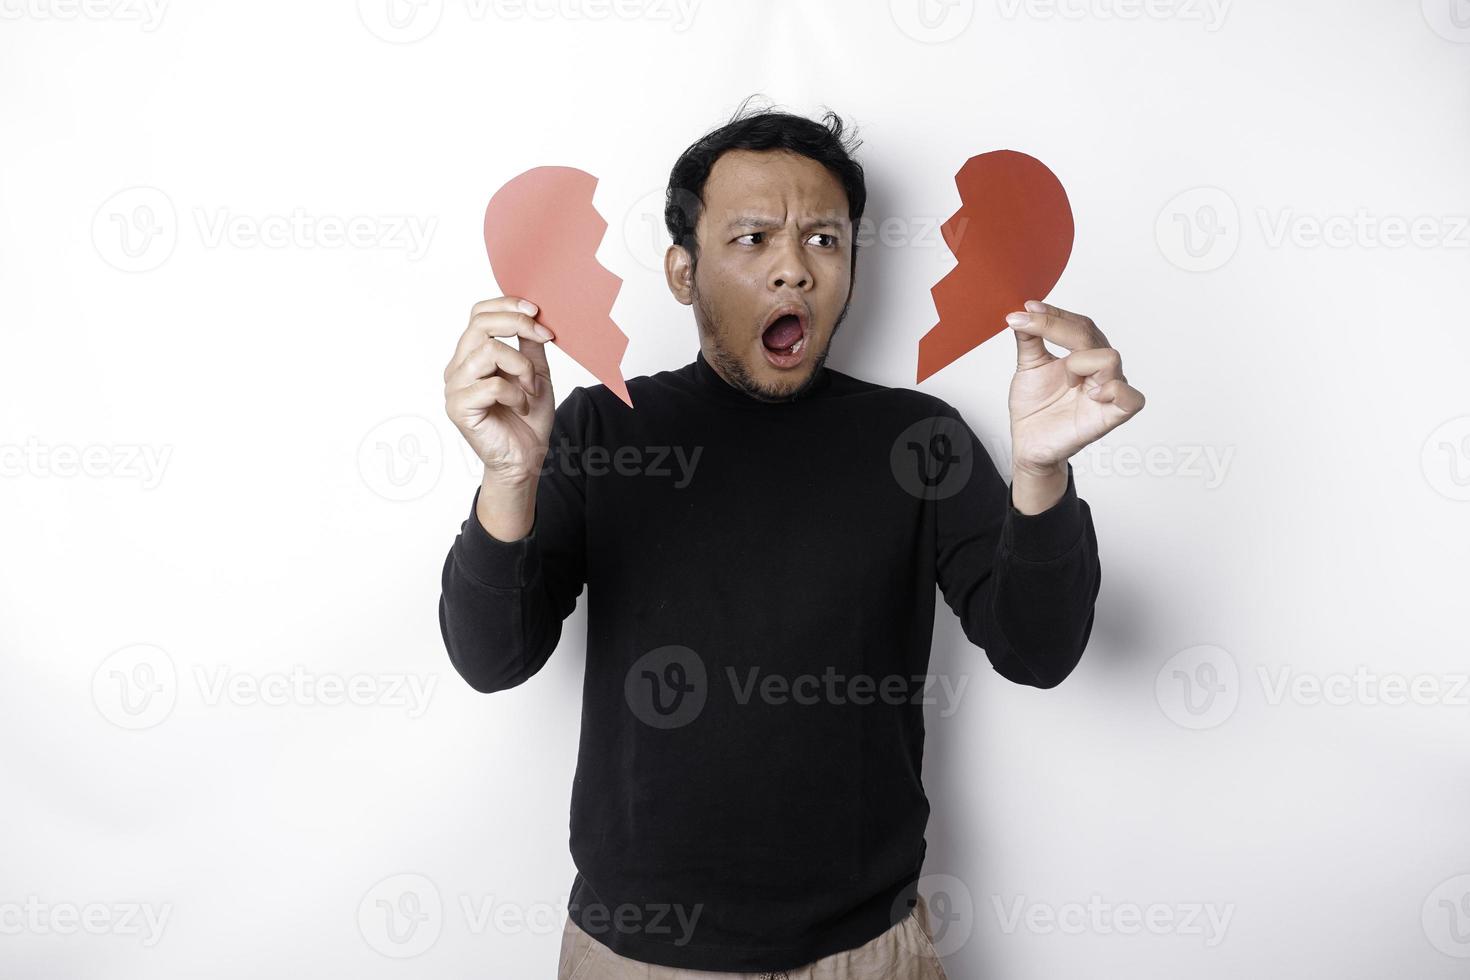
(761, 538)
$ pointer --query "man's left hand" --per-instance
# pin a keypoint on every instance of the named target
(1060, 404)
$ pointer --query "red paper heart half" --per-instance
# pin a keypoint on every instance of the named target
(1011, 239)
(541, 234)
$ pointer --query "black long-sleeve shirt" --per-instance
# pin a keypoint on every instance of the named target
(760, 606)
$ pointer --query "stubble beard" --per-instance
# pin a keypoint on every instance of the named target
(733, 368)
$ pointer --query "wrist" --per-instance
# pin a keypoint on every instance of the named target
(1034, 490)
(506, 510)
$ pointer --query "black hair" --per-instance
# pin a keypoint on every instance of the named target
(828, 142)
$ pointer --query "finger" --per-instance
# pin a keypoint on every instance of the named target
(1097, 365)
(491, 318)
(492, 357)
(1030, 348)
(1119, 394)
(1063, 327)
(536, 354)
(468, 341)
(500, 323)
(489, 392)
(506, 304)
(487, 327)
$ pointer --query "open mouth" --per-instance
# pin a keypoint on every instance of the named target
(784, 336)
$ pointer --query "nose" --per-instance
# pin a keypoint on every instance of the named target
(789, 266)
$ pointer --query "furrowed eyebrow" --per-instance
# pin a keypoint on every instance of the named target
(755, 221)
(752, 221)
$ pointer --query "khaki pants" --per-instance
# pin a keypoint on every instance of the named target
(904, 952)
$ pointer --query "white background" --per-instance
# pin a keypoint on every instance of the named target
(1234, 171)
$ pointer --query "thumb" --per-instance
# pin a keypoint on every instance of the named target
(535, 351)
(1030, 349)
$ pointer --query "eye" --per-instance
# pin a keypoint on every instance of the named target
(754, 234)
(832, 239)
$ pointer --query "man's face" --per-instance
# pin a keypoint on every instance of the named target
(774, 270)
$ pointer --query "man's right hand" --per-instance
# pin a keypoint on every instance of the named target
(501, 400)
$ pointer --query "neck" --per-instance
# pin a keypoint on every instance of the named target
(732, 374)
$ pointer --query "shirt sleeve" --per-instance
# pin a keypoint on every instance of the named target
(1024, 586)
(502, 603)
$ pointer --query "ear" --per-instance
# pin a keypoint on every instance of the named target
(679, 272)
